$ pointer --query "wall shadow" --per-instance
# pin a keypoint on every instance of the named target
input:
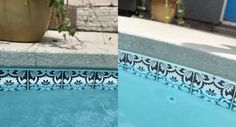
(229, 48)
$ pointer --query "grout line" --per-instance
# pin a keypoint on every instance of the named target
(94, 79)
(232, 102)
(117, 79)
(62, 79)
(27, 79)
(158, 69)
(126, 60)
(191, 87)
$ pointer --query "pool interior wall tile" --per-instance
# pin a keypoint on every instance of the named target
(106, 80)
(213, 89)
(206, 86)
(13, 80)
(233, 108)
(122, 58)
(45, 79)
(74, 80)
(175, 76)
(141, 66)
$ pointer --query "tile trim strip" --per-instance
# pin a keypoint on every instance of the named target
(56, 79)
(198, 71)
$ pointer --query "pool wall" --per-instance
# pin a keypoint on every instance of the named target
(209, 87)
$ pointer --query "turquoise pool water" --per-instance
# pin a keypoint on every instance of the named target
(147, 103)
(59, 108)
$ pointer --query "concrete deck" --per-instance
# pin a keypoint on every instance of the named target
(203, 51)
(97, 50)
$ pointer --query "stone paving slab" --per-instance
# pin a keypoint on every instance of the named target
(94, 50)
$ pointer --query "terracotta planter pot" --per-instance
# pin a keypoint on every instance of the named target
(22, 22)
(162, 12)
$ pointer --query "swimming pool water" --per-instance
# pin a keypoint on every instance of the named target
(59, 108)
(147, 103)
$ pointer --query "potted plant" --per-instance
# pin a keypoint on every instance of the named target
(180, 13)
(27, 20)
(166, 10)
(163, 10)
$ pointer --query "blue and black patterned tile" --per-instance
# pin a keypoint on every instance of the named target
(122, 60)
(13, 80)
(78, 80)
(174, 76)
(213, 89)
(141, 66)
(234, 104)
(106, 80)
(45, 80)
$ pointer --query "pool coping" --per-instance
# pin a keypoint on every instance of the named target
(95, 50)
(188, 57)
(196, 49)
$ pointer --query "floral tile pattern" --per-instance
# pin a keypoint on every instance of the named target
(45, 80)
(175, 76)
(106, 80)
(74, 80)
(13, 80)
(144, 67)
(122, 57)
(213, 89)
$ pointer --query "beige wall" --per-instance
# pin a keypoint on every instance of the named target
(101, 16)
(94, 2)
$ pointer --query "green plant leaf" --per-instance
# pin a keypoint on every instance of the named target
(65, 25)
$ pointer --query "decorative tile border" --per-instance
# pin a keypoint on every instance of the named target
(175, 76)
(13, 80)
(106, 80)
(78, 80)
(45, 79)
(141, 66)
(234, 104)
(213, 89)
(206, 86)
